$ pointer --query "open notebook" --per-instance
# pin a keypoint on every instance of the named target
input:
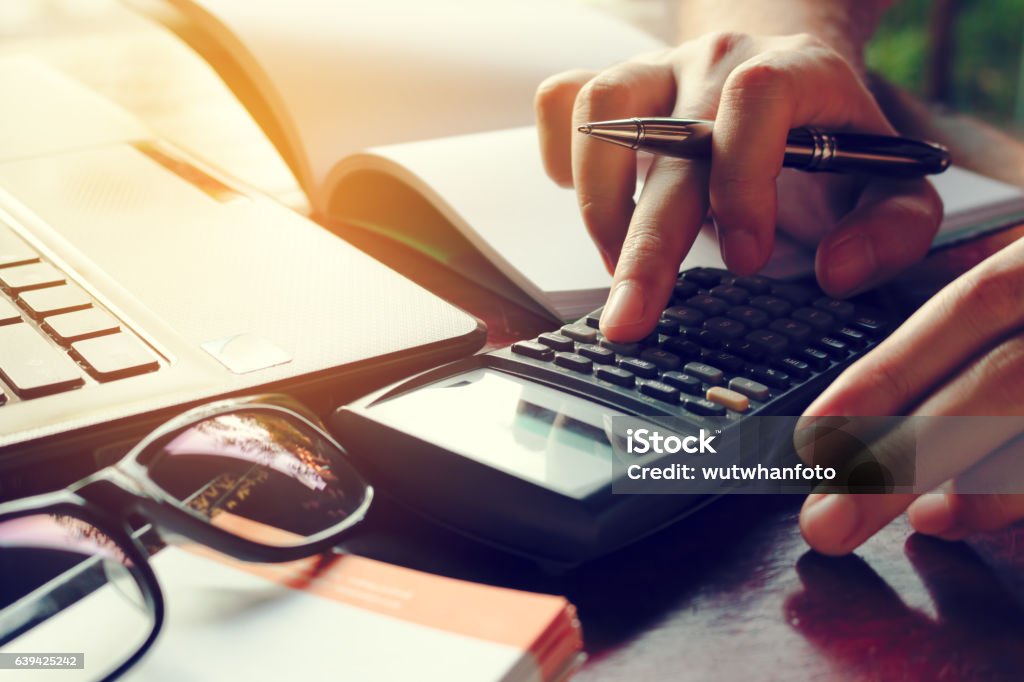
(414, 118)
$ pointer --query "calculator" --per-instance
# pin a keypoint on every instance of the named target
(512, 446)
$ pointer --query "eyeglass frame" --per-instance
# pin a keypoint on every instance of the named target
(107, 499)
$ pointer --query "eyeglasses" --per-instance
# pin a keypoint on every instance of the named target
(258, 479)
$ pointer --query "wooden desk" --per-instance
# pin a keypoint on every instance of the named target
(731, 594)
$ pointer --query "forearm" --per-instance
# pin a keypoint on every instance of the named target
(845, 25)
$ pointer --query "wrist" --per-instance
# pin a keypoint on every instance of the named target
(844, 25)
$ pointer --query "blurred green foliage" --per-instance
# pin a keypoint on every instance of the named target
(987, 57)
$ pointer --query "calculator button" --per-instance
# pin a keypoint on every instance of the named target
(684, 348)
(709, 305)
(650, 341)
(793, 293)
(114, 356)
(771, 305)
(852, 337)
(752, 317)
(744, 349)
(817, 359)
(841, 310)
(575, 362)
(772, 377)
(14, 251)
(704, 277)
(818, 320)
(728, 329)
(598, 354)
(704, 407)
(872, 326)
(532, 349)
(749, 388)
(791, 329)
(833, 346)
(737, 402)
(771, 343)
(622, 348)
(641, 368)
(731, 294)
(54, 300)
(616, 375)
(665, 361)
(81, 324)
(705, 372)
(793, 367)
(704, 337)
(657, 389)
(684, 382)
(593, 320)
(718, 358)
(8, 312)
(684, 290)
(688, 317)
(33, 276)
(668, 327)
(579, 332)
(556, 342)
(754, 284)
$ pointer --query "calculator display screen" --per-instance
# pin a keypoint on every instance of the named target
(526, 429)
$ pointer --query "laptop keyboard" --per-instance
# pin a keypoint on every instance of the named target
(54, 336)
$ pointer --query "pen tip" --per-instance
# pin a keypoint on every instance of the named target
(584, 129)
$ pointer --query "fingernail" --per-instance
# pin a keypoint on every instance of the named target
(932, 514)
(829, 523)
(739, 247)
(625, 305)
(849, 263)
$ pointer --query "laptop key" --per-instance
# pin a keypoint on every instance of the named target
(54, 300)
(8, 312)
(81, 324)
(14, 251)
(33, 276)
(32, 365)
(114, 356)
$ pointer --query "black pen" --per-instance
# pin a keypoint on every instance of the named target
(807, 149)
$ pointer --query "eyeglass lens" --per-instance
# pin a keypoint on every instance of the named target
(263, 475)
(66, 587)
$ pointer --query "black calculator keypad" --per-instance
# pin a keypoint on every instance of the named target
(724, 346)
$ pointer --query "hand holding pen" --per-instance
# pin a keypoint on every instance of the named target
(757, 91)
(807, 149)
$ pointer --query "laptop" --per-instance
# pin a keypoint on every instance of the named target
(136, 281)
